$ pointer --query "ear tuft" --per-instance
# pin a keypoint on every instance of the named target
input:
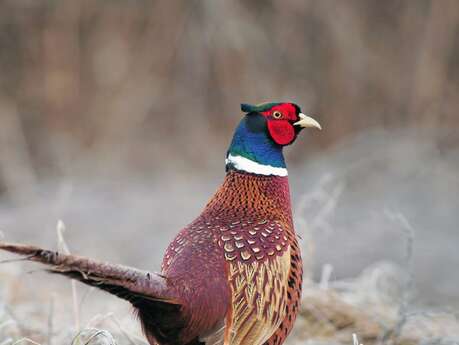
(247, 108)
(259, 108)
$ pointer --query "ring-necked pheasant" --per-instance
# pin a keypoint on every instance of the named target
(233, 276)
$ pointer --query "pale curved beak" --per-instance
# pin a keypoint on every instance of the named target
(306, 121)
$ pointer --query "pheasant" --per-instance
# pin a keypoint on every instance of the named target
(231, 277)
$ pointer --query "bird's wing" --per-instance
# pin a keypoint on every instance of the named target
(259, 257)
(259, 291)
(293, 297)
(195, 265)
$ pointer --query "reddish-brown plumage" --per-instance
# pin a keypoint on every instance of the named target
(248, 219)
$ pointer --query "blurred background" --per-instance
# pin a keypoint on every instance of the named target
(115, 117)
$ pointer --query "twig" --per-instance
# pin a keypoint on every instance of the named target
(396, 330)
(125, 333)
(327, 270)
(98, 319)
(97, 333)
(89, 290)
(62, 245)
(355, 340)
(27, 340)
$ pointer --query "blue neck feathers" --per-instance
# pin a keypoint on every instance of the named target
(251, 141)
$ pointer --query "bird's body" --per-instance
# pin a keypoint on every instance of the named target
(231, 277)
(244, 246)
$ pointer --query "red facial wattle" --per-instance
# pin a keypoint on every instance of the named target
(281, 131)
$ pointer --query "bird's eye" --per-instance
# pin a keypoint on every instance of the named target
(277, 114)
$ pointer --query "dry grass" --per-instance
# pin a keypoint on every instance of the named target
(365, 305)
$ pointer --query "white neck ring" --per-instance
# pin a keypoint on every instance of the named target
(247, 165)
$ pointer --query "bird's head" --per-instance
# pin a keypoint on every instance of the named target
(282, 121)
(262, 133)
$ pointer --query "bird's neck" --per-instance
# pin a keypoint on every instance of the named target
(253, 151)
(248, 196)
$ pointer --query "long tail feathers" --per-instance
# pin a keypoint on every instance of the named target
(131, 284)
